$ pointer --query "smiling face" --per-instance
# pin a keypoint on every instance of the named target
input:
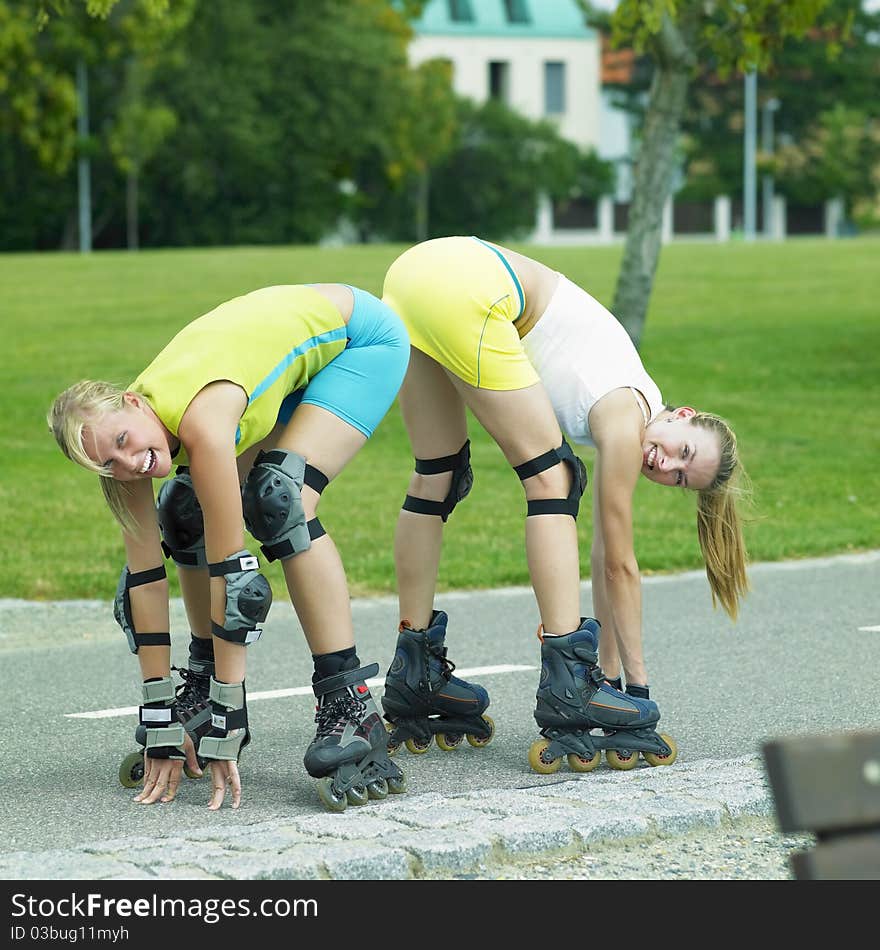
(677, 452)
(130, 442)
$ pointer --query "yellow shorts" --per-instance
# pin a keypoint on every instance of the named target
(459, 299)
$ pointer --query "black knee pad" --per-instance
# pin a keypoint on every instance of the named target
(181, 521)
(462, 482)
(556, 506)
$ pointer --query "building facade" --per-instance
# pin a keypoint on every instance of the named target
(536, 56)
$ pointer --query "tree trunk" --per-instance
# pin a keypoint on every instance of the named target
(673, 59)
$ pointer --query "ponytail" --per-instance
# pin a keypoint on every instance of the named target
(719, 523)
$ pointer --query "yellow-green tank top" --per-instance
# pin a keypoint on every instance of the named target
(270, 342)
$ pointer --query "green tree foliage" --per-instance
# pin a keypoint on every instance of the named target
(678, 35)
(119, 44)
(812, 88)
(223, 121)
(37, 95)
(838, 156)
(391, 183)
(283, 103)
(506, 160)
(250, 121)
(39, 45)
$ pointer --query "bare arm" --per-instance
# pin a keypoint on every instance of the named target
(149, 602)
(617, 427)
(150, 614)
(207, 430)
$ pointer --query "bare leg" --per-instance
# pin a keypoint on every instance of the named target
(316, 578)
(524, 425)
(196, 591)
(434, 416)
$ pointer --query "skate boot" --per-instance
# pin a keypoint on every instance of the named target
(574, 698)
(423, 699)
(349, 754)
(193, 706)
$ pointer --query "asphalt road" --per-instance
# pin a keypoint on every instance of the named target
(802, 659)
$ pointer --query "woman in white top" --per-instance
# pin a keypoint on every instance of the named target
(534, 356)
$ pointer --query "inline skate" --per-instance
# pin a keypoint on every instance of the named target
(574, 698)
(193, 713)
(423, 699)
(349, 754)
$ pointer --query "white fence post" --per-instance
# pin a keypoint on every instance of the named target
(833, 217)
(666, 229)
(543, 232)
(606, 219)
(721, 217)
(780, 218)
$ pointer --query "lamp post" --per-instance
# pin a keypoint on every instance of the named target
(770, 106)
(749, 142)
(83, 166)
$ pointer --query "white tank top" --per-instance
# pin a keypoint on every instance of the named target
(581, 352)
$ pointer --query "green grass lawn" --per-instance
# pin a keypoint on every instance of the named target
(783, 340)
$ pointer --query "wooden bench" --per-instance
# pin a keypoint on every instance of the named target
(829, 785)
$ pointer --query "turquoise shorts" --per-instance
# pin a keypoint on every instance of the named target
(360, 384)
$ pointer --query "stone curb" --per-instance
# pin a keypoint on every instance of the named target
(409, 836)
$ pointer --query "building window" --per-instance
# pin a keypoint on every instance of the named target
(499, 81)
(517, 11)
(554, 88)
(460, 11)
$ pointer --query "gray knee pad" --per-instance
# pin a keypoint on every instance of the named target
(556, 506)
(462, 482)
(181, 521)
(122, 608)
(248, 598)
(271, 501)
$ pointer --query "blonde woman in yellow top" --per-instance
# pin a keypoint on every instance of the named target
(252, 409)
(536, 358)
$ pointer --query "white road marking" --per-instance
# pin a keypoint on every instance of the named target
(301, 691)
(871, 629)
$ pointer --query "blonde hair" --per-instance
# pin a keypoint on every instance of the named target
(719, 523)
(75, 409)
